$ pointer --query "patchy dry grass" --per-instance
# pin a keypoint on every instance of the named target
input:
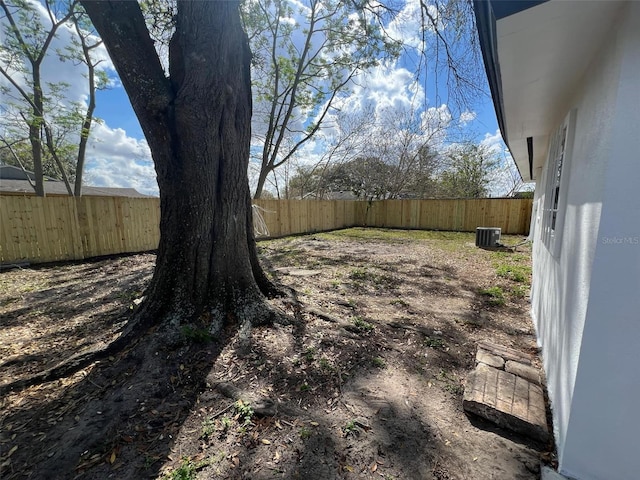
(370, 390)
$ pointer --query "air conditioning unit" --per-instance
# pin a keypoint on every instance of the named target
(488, 237)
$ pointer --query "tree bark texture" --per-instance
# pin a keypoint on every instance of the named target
(197, 123)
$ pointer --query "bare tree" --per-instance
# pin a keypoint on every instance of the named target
(39, 112)
(379, 156)
(82, 51)
(26, 45)
(297, 81)
(468, 171)
(449, 49)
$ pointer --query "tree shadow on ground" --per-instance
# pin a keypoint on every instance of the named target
(108, 417)
(77, 306)
(348, 398)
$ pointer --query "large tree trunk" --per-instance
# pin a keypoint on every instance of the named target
(197, 124)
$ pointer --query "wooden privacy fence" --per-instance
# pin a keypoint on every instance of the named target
(458, 215)
(37, 230)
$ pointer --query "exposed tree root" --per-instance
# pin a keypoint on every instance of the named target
(134, 329)
(350, 328)
(252, 314)
(262, 406)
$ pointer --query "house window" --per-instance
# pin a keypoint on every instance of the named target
(555, 191)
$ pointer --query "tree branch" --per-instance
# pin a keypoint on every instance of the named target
(124, 32)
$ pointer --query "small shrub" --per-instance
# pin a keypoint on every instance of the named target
(309, 354)
(226, 423)
(305, 432)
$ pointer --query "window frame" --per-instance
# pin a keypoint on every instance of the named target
(557, 174)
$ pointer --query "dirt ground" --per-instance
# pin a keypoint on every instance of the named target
(369, 385)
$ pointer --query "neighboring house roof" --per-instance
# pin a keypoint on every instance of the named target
(15, 180)
(54, 187)
(9, 172)
(534, 52)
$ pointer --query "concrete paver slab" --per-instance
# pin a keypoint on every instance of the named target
(505, 352)
(507, 400)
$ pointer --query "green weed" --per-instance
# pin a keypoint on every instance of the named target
(149, 460)
(379, 280)
(451, 382)
(196, 335)
(395, 235)
(305, 387)
(378, 362)
(359, 274)
(208, 428)
(243, 411)
(454, 388)
(325, 365)
(187, 470)
(399, 303)
(434, 342)
(517, 273)
(309, 354)
(362, 325)
(226, 423)
(520, 291)
(350, 428)
(495, 295)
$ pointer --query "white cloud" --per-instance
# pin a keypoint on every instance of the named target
(407, 24)
(494, 142)
(117, 160)
(467, 117)
(383, 88)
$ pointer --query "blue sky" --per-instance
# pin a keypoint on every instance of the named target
(114, 108)
(118, 155)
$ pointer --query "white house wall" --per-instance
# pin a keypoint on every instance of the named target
(563, 287)
(603, 434)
